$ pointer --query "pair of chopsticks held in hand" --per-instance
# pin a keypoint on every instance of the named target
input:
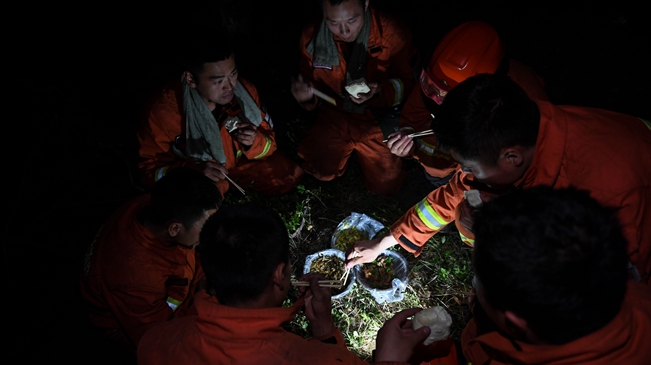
(322, 283)
(320, 94)
(417, 134)
(326, 283)
(234, 184)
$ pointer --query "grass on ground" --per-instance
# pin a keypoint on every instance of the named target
(439, 276)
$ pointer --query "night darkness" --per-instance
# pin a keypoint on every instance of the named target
(79, 76)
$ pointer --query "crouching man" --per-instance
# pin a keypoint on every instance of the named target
(213, 121)
(552, 284)
(141, 269)
(239, 318)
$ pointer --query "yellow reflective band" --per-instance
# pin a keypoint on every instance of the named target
(646, 123)
(173, 303)
(427, 214)
(398, 87)
(160, 172)
(468, 241)
(267, 147)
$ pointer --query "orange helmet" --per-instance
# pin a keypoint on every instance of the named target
(471, 48)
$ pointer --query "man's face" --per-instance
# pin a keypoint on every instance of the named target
(216, 83)
(189, 236)
(346, 19)
(497, 177)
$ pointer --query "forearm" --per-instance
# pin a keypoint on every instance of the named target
(263, 145)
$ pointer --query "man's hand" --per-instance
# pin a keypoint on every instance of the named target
(362, 252)
(466, 211)
(318, 306)
(396, 340)
(301, 90)
(245, 134)
(361, 98)
(401, 145)
(213, 170)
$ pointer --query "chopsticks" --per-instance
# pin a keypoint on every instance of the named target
(417, 134)
(325, 97)
(344, 277)
(322, 283)
(420, 134)
(234, 184)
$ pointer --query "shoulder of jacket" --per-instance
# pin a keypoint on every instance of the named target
(309, 31)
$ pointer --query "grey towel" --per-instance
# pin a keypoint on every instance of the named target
(203, 139)
(323, 49)
(203, 142)
(252, 113)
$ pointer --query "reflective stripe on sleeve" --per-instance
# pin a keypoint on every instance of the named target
(160, 172)
(399, 90)
(267, 119)
(646, 123)
(173, 303)
(267, 147)
(468, 241)
(427, 214)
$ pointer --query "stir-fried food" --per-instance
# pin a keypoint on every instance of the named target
(331, 267)
(380, 273)
(349, 236)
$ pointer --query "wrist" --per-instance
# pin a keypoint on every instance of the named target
(322, 329)
(387, 242)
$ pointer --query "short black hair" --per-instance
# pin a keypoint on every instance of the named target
(556, 258)
(483, 115)
(240, 247)
(207, 46)
(183, 195)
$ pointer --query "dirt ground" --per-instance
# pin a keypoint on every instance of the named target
(78, 81)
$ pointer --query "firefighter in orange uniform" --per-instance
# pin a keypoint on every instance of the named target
(239, 318)
(141, 269)
(471, 48)
(214, 122)
(551, 281)
(504, 140)
(353, 45)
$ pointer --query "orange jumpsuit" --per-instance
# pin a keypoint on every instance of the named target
(131, 280)
(415, 116)
(625, 340)
(162, 147)
(220, 334)
(336, 133)
(603, 152)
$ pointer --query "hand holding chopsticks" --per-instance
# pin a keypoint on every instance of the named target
(417, 134)
(234, 184)
(322, 283)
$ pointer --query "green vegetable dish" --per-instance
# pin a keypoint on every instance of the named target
(380, 273)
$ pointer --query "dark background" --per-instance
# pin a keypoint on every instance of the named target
(78, 77)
